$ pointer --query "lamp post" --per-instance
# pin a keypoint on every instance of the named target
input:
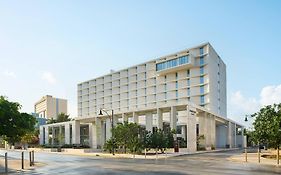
(246, 141)
(112, 125)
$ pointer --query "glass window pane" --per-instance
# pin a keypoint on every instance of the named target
(201, 51)
(188, 82)
(201, 80)
(201, 60)
(188, 73)
(202, 99)
(201, 70)
(201, 89)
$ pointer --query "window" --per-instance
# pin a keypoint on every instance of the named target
(202, 99)
(145, 99)
(201, 70)
(165, 95)
(201, 79)
(188, 82)
(176, 76)
(183, 60)
(172, 63)
(169, 63)
(177, 85)
(188, 91)
(201, 60)
(201, 51)
(177, 94)
(201, 89)
(175, 63)
(188, 73)
(179, 129)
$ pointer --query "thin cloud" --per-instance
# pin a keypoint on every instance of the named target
(49, 77)
(240, 105)
(9, 74)
(270, 95)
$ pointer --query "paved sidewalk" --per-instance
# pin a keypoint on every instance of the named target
(253, 158)
(14, 165)
(168, 154)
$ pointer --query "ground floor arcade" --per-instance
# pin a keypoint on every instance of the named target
(189, 121)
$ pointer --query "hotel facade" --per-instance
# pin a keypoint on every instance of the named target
(185, 91)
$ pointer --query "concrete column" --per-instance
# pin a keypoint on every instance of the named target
(191, 132)
(124, 118)
(135, 118)
(203, 128)
(96, 134)
(183, 131)
(60, 135)
(243, 138)
(46, 135)
(103, 131)
(115, 120)
(91, 135)
(235, 136)
(53, 135)
(159, 119)
(41, 130)
(76, 132)
(213, 130)
(67, 133)
(148, 122)
(108, 128)
(173, 118)
(229, 135)
(208, 130)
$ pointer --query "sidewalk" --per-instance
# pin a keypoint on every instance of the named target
(165, 155)
(253, 158)
(14, 165)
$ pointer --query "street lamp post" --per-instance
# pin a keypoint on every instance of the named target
(246, 141)
(112, 126)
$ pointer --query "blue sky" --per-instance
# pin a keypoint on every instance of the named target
(47, 47)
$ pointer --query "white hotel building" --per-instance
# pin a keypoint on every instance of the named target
(185, 91)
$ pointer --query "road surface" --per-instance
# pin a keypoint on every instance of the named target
(204, 164)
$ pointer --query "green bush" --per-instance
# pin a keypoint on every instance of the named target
(201, 148)
(109, 145)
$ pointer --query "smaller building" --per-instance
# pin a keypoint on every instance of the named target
(39, 120)
(50, 107)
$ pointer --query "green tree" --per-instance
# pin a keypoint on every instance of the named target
(267, 126)
(134, 138)
(127, 136)
(14, 124)
(159, 140)
(62, 117)
(30, 138)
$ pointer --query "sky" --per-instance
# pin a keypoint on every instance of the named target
(49, 46)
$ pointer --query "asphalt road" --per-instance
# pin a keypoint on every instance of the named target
(203, 164)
